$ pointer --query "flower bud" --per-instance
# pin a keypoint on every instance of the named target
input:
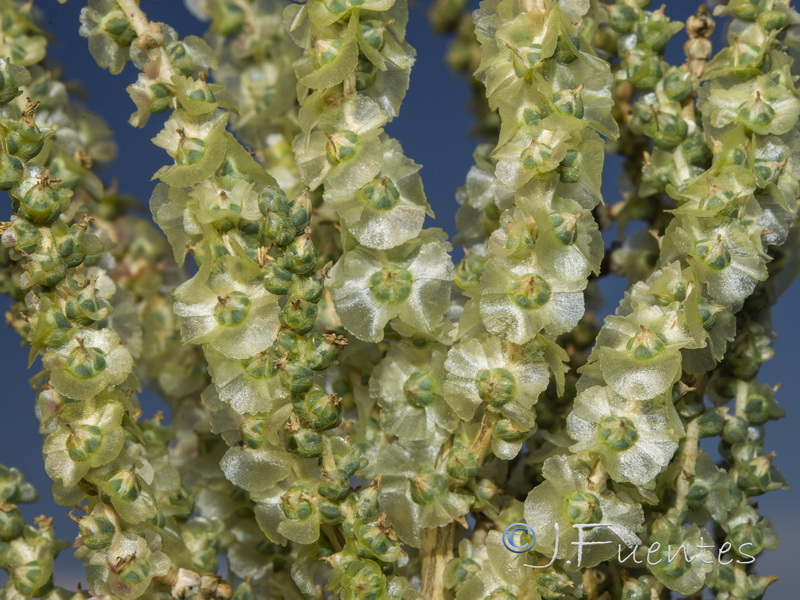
(322, 350)
(341, 146)
(711, 423)
(463, 462)
(553, 584)
(39, 201)
(301, 256)
(469, 270)
(298, 315)
(427, 486)
(582, 508)
(529, 291)
(98, 528)
(318, 410)
(735, 429)
(11, 522)
(617, 433)
(12, 77)
(365, 502)
(277, 280)
(391, 284)
(297, 503)
(11, 171)
(569, 102)
(622, 18)
(678, 84)
(646, 344)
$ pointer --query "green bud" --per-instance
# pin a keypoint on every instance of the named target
(583, 508)
(228, 18)
(553, 584)
(341, 146)
(380, 194)
(427, 486)
(622, 18)
(365, 502)
(12, 77)
(756, 112)
(569, 102)
(697, 494)
(565, 226)
(322, 350)
(277, 280)
(368, 583)
(496, 386)
(463, 462)
(334, 484)
(125, 483)
(330, 512)
(772, 20)
(318, 410)
(391, 285)
(666, 130)
(646, 344)
(297, 503)
(231, 310)
(41, 203)
(735, 429)
(11, 171)
(301, 440)
(301, 256)
(298, 315)
(711, 423)
(462, 568)
(420, 389)
(469, 271)
(366, 73)
(253, 430)
(508, 431)
(295, 377)
(529, 291)
(617, 433)
(570, 167)
(678, 84)
(11, 522)
(98, 528)
(501, 593)
(181, 58)
(644, 68)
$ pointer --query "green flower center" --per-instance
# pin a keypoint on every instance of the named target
(427, 486)
(714, 252)
(583, 508)
(569, 102)
(618, 433)
(536, 154)
(83, 441)
(420, 389)
(341, 146)
(391, 285)
(380, 194)
(530, 291)
(86, 363)
(646, 344)
(757, 112)
(495, 386)
(565, 226)
(232, 309)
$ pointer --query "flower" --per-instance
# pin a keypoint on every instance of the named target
(568, 497)
(225, 305)
(407, 384)
(635, 440)
(90, 362)
(506, 378)
(410, 281)
(388, 210)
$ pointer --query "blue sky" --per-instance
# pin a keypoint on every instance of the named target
(433, 127)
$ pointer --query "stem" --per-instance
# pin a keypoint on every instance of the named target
(687, 466)
(435, 553)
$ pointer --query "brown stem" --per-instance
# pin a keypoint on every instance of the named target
(436, 552)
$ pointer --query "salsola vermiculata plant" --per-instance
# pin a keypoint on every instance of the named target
(352, 414)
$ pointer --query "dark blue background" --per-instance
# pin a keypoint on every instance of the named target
(434, 129)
